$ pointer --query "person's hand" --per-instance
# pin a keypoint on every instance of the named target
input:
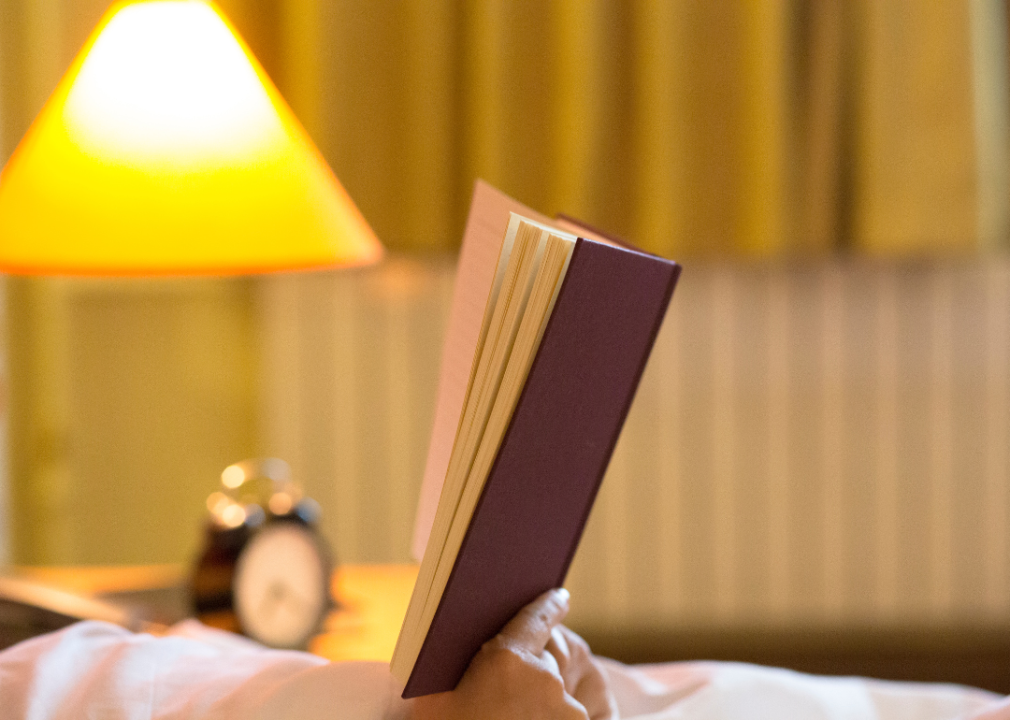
(534, 669)
(584, 679)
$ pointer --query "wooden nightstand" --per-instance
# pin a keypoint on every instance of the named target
(372, 600)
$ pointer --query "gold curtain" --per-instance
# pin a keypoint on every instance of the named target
(751, 128)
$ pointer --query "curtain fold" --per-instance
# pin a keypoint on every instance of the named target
(915, 184)
(755, 129)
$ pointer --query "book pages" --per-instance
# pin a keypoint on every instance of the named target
(513, 326)
(489, 213)
(548, 282)
(518, 261)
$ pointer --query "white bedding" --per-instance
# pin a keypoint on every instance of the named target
(95, 670)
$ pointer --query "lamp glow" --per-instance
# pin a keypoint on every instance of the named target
(166, 150)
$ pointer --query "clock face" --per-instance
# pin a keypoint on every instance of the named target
(281, 586)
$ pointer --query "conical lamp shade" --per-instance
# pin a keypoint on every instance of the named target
(166, 150)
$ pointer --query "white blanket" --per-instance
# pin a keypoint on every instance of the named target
(95, 670)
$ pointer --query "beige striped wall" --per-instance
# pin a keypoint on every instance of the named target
(817, 443)
(350, 371)
(823, 442)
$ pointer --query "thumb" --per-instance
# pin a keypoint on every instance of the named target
(530, 630)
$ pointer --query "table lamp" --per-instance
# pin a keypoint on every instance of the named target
(166, 150)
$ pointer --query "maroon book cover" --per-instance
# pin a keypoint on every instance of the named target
(534, 506)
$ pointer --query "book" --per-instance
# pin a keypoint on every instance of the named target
(549, 332)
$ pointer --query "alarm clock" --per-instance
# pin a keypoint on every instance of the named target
(265, 569)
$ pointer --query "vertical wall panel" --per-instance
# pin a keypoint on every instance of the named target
(777, 440)
(912, 522)
(861, 489)
(697, 508)
(805, 519)
(750, 487)
(884, 445)
(833, 356)
(724, 443)
(668, 533)
(965, 488)
(996, 468)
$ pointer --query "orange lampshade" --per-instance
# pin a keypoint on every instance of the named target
(166, 150)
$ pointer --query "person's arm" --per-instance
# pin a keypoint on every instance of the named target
(534, 669)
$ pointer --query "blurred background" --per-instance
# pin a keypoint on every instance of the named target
(821, 438)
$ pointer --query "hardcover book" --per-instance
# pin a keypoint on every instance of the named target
(549, 332)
